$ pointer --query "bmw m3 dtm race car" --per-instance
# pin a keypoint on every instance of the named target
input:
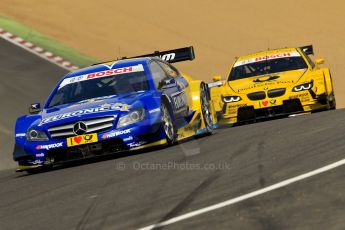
(126, 104)
(272, 83)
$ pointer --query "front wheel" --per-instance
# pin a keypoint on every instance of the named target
(332, 103)
(206, 109)
(168, 126)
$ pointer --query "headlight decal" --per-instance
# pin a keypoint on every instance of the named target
(229, 99)
(36, 135)
(131, 118)
(302, 87)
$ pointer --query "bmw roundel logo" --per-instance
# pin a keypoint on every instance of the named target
(80, 128)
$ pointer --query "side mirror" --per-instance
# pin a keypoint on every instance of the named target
(319, 61)
(217, 78)
(35, 108)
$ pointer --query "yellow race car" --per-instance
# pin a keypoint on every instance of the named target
(272, 83)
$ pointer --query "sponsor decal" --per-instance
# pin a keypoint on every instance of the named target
(106, 73)
(299, 95)
(263, 79)
(130, 138)
(168, 57)
(137, 144)
(264, 103)
(303, 97)
(105, 105)
(258, 85)
(21, 135)
(82, 139)
(267, 57)
(116, 133)
(155, 110)
(36, 162)
(233, 108)
(92, 100)
(100, 109)
(180, 100)
(117, 106)
(50, 146)
(273, 101)
(237, 106)
(40, 155)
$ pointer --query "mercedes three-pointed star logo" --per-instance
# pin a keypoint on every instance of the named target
(79, 128)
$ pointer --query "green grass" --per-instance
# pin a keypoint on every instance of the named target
(45, 42)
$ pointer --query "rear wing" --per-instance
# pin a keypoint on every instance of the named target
(171, 56)
(308, 50)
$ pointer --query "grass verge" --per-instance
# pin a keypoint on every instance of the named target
(45, 42)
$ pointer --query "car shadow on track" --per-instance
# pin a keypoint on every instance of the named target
(91, 160)
(105, 157)
(269, 119)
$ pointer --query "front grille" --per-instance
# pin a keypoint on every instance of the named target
(293, 106)
(86, 151)
(257, 96)
(248, 113)
(276, 92)
(93, 125)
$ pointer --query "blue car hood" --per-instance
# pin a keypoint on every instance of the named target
(96, 107)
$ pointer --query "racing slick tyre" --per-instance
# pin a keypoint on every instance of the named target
(206, 108)
(168, 126)
(332, 103)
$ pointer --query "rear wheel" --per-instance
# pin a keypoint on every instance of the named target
(168, 127)
(206, 109)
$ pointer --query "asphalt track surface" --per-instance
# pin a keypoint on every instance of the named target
(136, 190)
(25, 79)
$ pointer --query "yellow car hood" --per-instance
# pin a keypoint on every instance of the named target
(266, 82)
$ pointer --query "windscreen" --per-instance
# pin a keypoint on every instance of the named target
(93, 86)
(267, 65)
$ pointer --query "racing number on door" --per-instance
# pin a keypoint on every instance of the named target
(179, 100)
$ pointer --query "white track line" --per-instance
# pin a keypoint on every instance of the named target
(38, 51)
(247, 196)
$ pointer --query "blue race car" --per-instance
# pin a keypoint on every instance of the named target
(122, 105)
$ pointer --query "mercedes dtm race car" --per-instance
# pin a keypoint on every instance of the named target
(272, 83)
(121, 105)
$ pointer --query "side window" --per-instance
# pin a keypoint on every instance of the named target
(171, 71)
(158, 74)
